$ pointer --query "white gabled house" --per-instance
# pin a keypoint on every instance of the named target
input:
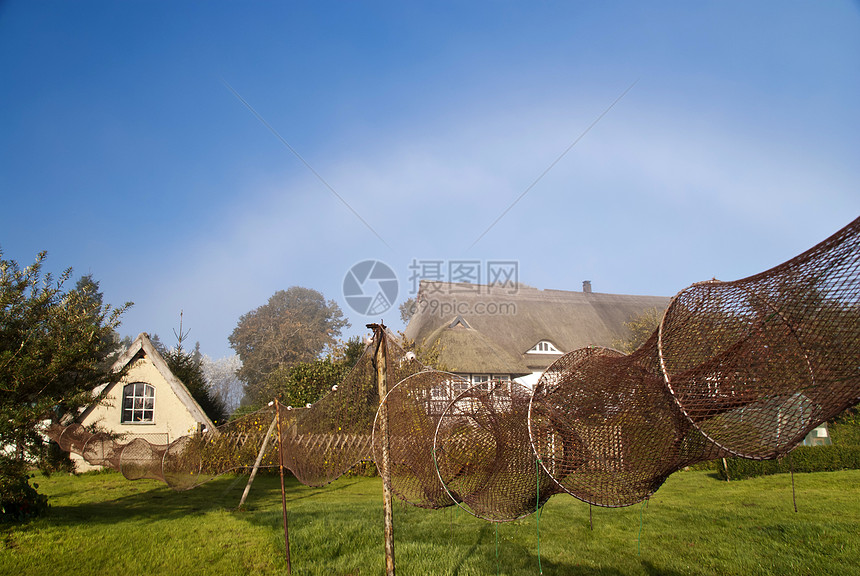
(149, 402)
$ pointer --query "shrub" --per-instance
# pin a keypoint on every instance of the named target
(707, 465)
(55, 459)
(365, 468)
(19, 500)
(803, 459)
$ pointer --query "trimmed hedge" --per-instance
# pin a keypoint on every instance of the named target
(803, 459)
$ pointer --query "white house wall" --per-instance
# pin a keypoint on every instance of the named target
(171, 418)
(529, 380)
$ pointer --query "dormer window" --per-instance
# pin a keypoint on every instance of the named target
(544, 347)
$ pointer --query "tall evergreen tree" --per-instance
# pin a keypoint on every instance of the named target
(188, 367)
(56, 346)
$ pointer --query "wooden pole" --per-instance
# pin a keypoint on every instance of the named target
(258, 461)
(283, 494)
(381, 362)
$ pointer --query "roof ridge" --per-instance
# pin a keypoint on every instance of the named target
(143, 343)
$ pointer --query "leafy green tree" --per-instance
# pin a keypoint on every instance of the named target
(156, 343)
(640, 328)
(407, 310)
(353, 351)
(304, 382)
(845, 428)
(295, 325)
(348, 352)
(56, 346)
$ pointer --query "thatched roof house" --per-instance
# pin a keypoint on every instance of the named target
(486, 331)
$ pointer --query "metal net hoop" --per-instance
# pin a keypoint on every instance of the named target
(732, 379)
(139, 459)
(98, 450)
(758, 363)
(414, 406)
(182, 465)
(605, 428)
(482, 455)
(70, 437)
(554, 442)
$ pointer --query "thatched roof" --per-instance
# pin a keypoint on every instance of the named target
(463, 346)
(497, 342)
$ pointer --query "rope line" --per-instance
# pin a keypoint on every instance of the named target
(793, 495)
(537, 512)
(497, 547)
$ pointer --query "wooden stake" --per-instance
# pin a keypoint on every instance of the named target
(283, 494)
(381, 362)
(258, 461)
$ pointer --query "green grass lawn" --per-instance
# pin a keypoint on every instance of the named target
(695, 524)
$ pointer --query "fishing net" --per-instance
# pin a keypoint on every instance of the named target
(483, 455)
(335, 433)
(757, 363)
(413, 408)
(606, 429)
(321, 442)
(742, 368)
(187, 461)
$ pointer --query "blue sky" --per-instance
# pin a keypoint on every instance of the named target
(125, 154)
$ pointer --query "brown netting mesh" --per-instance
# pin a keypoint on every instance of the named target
(483, 455)
(414, 407)
(757, 363)
(71, 438)
(182, 465)
(335, 433)
(745, 368)
(321, 442)
(100, 450)
(140, 459)
(195, 459)
(187, 461)
(606, 429)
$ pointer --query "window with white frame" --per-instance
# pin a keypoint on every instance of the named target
(544, 347)
(138, 402)
(483, 380)
(461, 385)
(504, 379)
